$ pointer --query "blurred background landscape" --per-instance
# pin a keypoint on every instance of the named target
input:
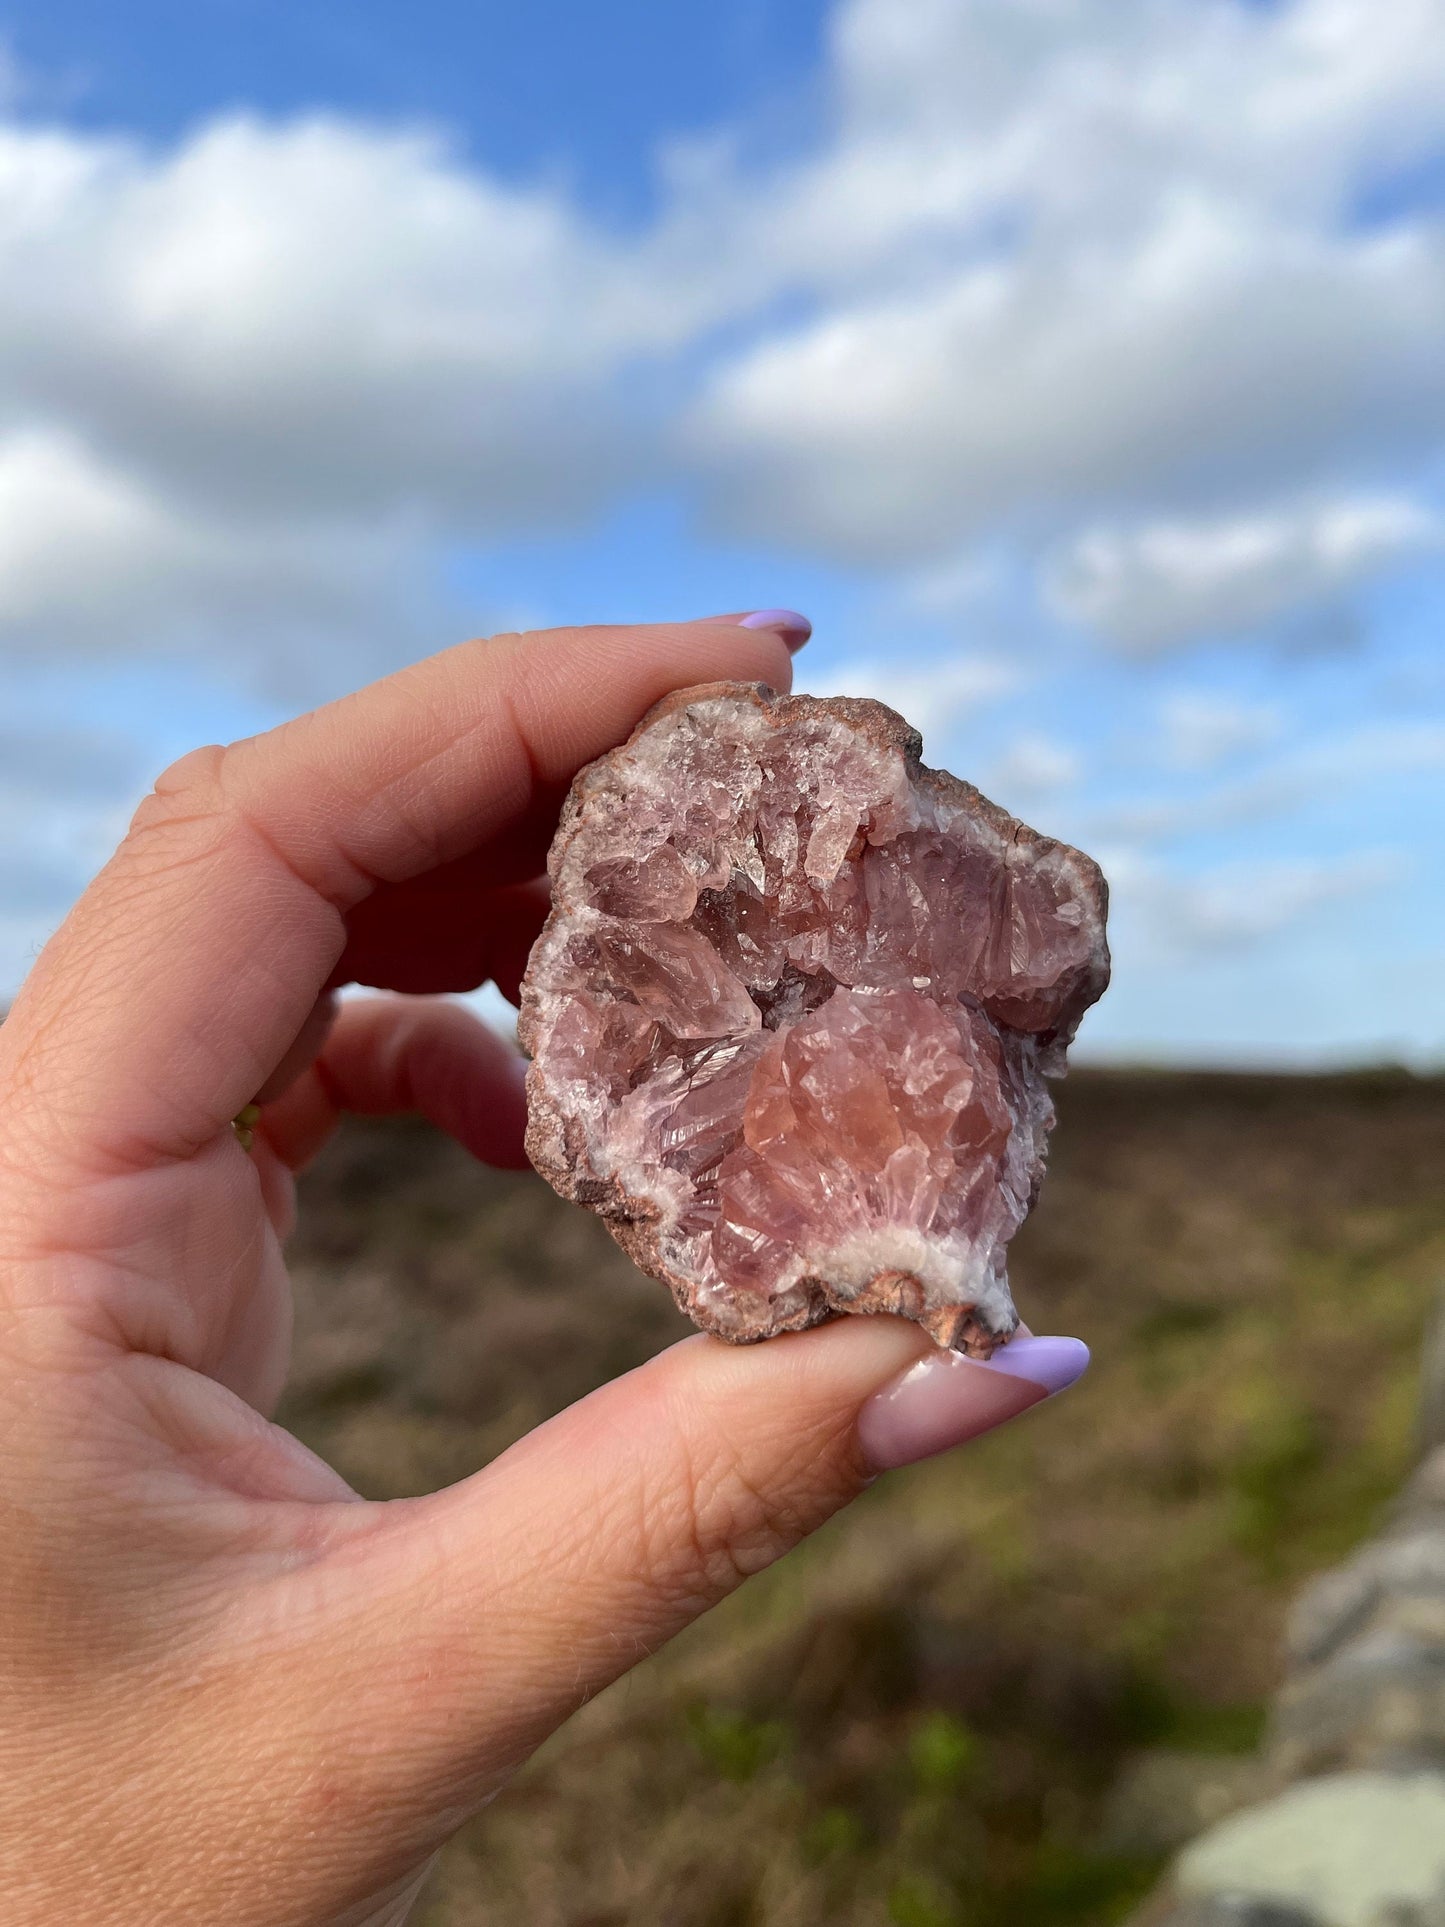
(1076, 366)
(1006, 1684)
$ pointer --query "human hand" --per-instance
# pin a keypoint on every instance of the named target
(231, 1691)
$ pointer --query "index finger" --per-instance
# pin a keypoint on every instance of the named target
(183, 973)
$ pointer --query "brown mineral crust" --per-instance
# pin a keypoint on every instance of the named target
(791, 1014)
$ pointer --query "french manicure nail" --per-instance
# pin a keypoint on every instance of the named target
(944, 1399)
(793, 628)
(1053, 1363)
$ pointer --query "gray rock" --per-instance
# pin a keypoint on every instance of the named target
(1232, 1910)
(1409, 1560)
(1353, 1849)
(1423, 1500)
(1367, 1650)
(1380, 1702)
(1331, 1610)
(1362, 1843)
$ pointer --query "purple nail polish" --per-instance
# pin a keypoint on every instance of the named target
(1053, 1363)
(793, 628)
(945, 1399)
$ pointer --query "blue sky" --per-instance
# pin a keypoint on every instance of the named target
(1077, 365)
(555, 88)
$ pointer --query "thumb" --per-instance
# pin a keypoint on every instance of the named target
(488, 1612)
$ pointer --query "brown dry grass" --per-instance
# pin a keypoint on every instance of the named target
(918, 1717)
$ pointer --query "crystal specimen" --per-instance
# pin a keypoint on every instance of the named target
(792, 1012)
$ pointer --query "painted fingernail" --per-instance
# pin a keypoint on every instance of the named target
(945, 1399)
(793, 628)
(1053, 1363)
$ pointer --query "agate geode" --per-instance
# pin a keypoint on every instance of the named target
(792, 1014)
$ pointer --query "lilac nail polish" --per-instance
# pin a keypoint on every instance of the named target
(793, 628)
(1053, 1363)
(945, 1399)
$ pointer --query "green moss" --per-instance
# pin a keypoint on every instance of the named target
(942, 1753)
(1267, 1482)
(835, 1834)
(734, 1746)
(1151, 1712)
(1185, 1318)
(360, 1386)
(1075, 1884)
(1230, 1728)
(917, 1901)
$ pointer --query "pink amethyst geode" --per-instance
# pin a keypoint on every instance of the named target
(791, 1016)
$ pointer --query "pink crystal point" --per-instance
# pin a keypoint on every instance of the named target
(792, 1014)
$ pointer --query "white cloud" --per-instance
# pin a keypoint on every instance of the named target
(936, 697)
(1032, 766)
(1174, 914)
(254, 385)
(1137, 89)
(963, 586)
(65, 799)
(1329, 766)
(964, 129)
(321, 351)
(55, 503)
(1035, 389)
(317, 313)
(1199, 730)
(95, 558)
(39, 763)
(1155, 584)
(1121, 261)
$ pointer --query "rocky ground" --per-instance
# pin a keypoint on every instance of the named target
(1347, 1826)
(1008, 1686)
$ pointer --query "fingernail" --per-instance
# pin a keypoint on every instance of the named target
(1053, 1363)
(945, 1399)
(793, 628)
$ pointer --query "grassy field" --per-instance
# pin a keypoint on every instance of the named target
(958, 1704)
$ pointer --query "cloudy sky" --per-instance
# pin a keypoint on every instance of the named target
(1077, 365)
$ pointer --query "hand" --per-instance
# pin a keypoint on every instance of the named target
(231, 1691)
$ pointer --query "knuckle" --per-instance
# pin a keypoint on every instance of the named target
(735, 1512)
(189, 789)
(697, 1553)
(218, 794)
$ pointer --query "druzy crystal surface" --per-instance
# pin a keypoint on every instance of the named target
(793, 1012)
